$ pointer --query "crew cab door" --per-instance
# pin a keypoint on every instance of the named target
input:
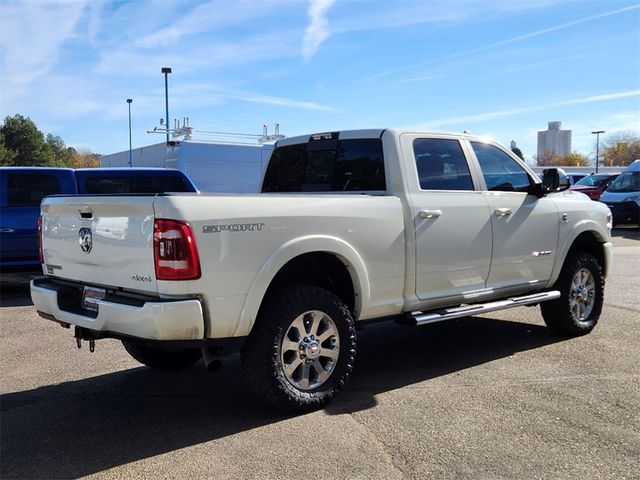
(451, 220)
(525, 227)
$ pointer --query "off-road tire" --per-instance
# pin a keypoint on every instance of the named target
(162, 359)
(262, 360)
(558, 314)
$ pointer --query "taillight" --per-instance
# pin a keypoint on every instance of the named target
(175, 251)
(40, 252)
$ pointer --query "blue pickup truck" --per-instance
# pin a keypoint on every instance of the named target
(23, 188)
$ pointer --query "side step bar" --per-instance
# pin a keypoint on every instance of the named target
(476, 309)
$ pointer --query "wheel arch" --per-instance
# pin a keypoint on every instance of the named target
(588, 239)
(323, 261)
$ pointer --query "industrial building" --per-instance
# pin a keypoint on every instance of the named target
(554, 141)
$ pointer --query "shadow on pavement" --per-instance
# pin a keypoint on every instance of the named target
(87, 426)
(15, 295)
(626, 232)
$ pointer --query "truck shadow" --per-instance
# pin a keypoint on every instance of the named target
(82, 427)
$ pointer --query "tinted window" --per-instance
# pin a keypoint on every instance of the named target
(141, 184)
(25, 189)
(441, 165)
(343, 166)
(626, 182)
(501, 172)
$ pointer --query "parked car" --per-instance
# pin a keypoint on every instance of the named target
(623, 196)
(593, 185)
(351, 226)
(575, 177)
(23, 188)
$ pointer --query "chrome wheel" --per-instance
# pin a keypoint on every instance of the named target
(309, 350)
(582, 296)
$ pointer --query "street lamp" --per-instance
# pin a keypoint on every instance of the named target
(166, 71)
(129, 100)
(597, 134)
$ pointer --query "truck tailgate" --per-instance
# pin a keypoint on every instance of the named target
(105, 240)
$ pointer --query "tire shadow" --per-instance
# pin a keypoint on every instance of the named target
(82, 427)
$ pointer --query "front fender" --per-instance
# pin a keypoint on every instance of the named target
(569, 237)
(292, 249)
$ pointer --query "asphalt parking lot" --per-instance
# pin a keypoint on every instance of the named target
(494, 396)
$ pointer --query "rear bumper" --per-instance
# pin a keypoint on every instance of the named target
(150, 320)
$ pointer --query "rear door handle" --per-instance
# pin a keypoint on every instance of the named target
(428, 214)
(502, 212)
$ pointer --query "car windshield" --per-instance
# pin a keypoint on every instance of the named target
(626, 182)
(593, 180)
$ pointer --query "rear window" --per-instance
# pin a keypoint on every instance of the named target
(335, 166)
(28, 190)
(136, 184)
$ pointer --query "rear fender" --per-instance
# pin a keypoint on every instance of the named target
(292, 249)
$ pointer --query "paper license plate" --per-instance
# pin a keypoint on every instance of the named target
(91, 297)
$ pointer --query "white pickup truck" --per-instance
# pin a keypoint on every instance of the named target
(350, 226)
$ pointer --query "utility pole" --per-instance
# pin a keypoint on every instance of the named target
(129, 100)
(597, 134)
(166, 71)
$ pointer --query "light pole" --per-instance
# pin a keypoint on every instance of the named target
(597, 134)
(166, 71)
(129, 100)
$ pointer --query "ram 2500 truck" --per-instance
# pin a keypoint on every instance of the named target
(350, 226)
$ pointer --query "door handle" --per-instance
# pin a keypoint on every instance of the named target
(502, 212)
(7, 230)
(428, 214)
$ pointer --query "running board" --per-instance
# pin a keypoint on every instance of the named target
(477, 309)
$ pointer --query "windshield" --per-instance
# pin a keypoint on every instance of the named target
(626, 182)
(593, 180)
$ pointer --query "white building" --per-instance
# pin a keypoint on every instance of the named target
(554, 141)
(149, 156)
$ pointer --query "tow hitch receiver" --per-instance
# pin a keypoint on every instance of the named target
(83, 334)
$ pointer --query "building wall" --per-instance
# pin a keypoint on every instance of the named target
(554, 141)
(149, 156)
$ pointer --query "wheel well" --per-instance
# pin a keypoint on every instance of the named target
(320, 269)
(589, 243)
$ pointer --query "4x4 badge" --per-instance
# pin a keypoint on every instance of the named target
(86, 240)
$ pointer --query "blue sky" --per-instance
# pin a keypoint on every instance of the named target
(501, 68)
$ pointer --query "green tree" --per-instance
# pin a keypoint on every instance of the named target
(620, 149)
(7, 156)
(21, 137)
(574, 159)
(518, 152)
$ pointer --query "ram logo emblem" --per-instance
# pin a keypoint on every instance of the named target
(86, 239)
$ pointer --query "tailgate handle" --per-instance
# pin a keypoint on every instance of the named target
(86, 214)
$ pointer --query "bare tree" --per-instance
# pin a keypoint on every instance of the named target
(620, 149)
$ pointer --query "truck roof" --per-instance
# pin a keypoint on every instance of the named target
(366, 133)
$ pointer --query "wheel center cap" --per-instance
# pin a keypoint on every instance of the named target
(311, 349)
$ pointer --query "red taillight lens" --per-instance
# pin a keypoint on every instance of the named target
(175, 251)
(40, 252)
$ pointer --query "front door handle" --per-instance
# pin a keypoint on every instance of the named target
(7, 230)
(502, 212)
(428, 214)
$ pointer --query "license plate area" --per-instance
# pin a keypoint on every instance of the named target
(91, 297)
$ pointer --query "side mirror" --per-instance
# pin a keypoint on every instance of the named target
(554, 180)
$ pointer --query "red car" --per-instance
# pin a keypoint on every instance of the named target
(595, 184)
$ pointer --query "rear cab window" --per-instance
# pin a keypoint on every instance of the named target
(327, 164)
(28, 189)
(144, 183)
(441, 164)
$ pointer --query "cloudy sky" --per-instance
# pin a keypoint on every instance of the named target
(502, 68)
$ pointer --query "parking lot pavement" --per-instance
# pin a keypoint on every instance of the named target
(495, 396)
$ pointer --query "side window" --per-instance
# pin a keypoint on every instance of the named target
(28, 190)
(342, 166)
(501, 172)
(441, 164)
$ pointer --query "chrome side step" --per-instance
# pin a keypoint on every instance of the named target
(476, 309)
